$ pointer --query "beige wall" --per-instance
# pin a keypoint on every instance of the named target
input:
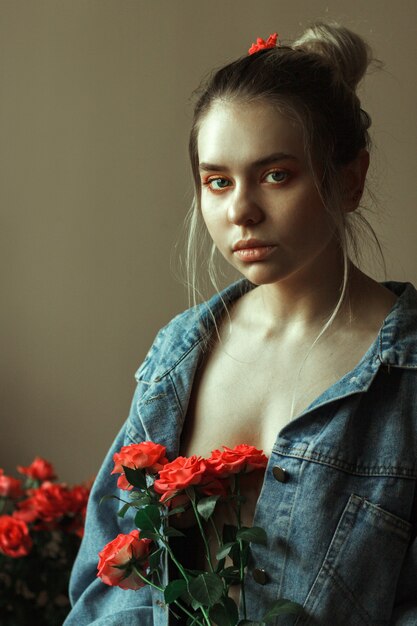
(94, 115)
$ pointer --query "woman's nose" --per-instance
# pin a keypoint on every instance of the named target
(243, 209)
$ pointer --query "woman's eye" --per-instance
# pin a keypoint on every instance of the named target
(277, 176)
(217, 184)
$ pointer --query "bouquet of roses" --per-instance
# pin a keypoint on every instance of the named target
(41, 524)
(160, 493)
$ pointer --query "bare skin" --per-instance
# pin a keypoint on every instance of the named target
(241, 390)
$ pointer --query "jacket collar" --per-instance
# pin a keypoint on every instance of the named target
(397, 339)
(398, 335)
(165, 393)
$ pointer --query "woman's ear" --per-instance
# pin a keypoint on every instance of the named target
(354, 174)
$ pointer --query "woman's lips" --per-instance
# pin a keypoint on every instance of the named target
(257, 253)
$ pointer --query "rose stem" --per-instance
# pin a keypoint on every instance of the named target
(181, 569)
(219, 543)
(239, 526)
(203, 535)
(216, 532)
(172, 555)
(183, 608)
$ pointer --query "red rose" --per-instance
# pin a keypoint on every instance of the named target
(26, 511)
(52, 501)
(179, 474)
(241, 458)
(15, 540)
(125, 550)
(39, 469)
(145, 455)
(211, 486)
(48, 502)
(78, 498)
(10, 487)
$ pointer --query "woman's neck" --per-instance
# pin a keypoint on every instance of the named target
(281, 310)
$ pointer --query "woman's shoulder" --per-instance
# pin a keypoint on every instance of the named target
(190, 328)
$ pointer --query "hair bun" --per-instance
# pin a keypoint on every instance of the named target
(344, 50)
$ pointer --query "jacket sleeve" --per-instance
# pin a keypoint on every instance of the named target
(94, 602)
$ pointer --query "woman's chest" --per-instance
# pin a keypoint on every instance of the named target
(250, 399)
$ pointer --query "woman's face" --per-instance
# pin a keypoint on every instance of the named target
(258, 197)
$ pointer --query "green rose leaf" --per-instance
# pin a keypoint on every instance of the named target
(252, 535)
(224, 550)
(107, 497)
(148, 518)
(173, 532)
(155, 558)
(139, 499)
(174, 589)
(206, 589)
(124, 509)
(195, 605)
(224, 613)
(178, 509)
(135, 477)
(282, 607)
(190, 493)
(231, 575)
(206, 506)
(148, 534)
(240, 556)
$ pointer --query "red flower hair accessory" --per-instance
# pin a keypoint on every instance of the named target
(261, 44)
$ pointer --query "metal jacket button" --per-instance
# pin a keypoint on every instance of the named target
(280, 474)
(260, 576)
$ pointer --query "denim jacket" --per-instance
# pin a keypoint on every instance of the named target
(341, 517)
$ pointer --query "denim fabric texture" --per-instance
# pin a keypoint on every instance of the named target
(341, 529)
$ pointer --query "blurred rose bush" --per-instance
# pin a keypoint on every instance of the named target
(41, 525)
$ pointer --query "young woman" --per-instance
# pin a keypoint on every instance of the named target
(306, 357)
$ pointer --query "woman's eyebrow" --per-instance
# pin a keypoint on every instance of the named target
(271, 158)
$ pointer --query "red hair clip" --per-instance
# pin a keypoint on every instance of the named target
(260, 44)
